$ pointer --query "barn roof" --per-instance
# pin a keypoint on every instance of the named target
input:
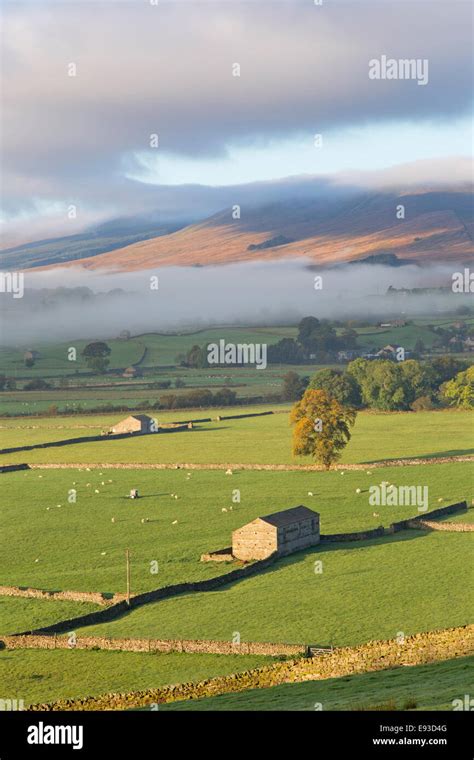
(288, 516)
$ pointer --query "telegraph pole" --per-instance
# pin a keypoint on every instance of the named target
(127, 557)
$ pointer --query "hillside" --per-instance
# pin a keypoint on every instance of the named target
(437, 228)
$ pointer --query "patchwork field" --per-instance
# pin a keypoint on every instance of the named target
(341, 594)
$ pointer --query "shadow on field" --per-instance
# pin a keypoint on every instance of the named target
(436, 455)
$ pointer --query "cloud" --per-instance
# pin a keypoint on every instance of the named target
(167, 70)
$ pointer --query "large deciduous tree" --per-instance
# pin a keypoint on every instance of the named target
(322, 426)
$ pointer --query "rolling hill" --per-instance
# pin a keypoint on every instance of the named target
(438, 227)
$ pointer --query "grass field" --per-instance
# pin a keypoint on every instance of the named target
(423, 687)
(265, 440)
(410, 582)
(46, 675)
(53, 547)
(21, 614)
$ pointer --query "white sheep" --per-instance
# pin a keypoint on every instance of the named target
(174, 522)
(96, 490)
(113, 519)
(228, 472)
(375, 514)
(357, 490)
(310, 493)
(223, 509)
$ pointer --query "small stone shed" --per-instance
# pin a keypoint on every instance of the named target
(136, 423)
(282, 533)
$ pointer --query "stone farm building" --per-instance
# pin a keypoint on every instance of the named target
(136, 423)
(132, 372)
(281, 533)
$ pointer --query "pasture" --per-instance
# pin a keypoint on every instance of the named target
(409, 582)
(47, 675)
(53, 544)
(265, 440)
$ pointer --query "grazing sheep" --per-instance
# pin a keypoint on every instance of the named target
(368, 472)
(103, 554)
(223, 509)
(145, 520)
(113, 519)
(310, 493)
(440, 498)
(228, 472)
(375, 514)
(96, 490)
(357, 490)
(342, 473)
(174, 522)
(36, 560)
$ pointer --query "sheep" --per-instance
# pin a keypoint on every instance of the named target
(357, 490)
(223, 509)
(113, 519)
(228, 472)
(96, 490)
(440, 498)
(176, 496)
(145, 520)
(310, 493)
(375, 514)
(102, 554)
(174, 522)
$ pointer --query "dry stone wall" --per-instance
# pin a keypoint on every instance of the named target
(150, 645)
(419, 649)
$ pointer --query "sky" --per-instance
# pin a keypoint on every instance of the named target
(112, 106)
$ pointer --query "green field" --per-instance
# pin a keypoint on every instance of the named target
(265, 440)
(373, 589)
(410, 582)
(47, 675)
(19, 614)
(53, 547)
(422, 687)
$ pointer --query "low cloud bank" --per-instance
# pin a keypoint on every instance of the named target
(73, 304)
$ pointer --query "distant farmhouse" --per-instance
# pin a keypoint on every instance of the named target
(132, 372)
(31, 355)
(282, 533)
(136, 423)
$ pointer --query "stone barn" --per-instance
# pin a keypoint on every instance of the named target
(136, 423)
(281, 533)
